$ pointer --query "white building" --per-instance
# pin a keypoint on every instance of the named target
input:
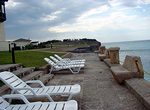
(22, 42)
(35, 43)
(3, 44)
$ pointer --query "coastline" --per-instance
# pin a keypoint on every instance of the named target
(140, 48)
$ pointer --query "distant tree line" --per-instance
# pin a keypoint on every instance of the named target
(70, 40)
(52, 41)
(78, 40)
(43, 44)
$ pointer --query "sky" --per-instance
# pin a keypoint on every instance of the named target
(103, 20)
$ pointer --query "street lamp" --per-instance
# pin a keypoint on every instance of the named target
(51, 45)
(9, 46)
(13, 54)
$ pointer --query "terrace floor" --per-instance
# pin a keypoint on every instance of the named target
(99, 90)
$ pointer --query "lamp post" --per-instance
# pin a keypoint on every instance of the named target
(9, 46)
(51, 46)
(13, 54)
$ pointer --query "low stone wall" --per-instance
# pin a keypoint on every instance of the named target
(102, 54)
(45, 68)
(128, 70)
(112, 56)
(85, 49)
(130, 74)
(141, 89)
(10, 67)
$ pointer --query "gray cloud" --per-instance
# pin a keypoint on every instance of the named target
(32, 19)
(25, 18)
(130, 3)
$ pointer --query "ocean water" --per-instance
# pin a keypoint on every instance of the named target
(138, 48)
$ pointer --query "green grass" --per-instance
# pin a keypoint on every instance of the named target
(35, 57)
(27, 58)
(4, 52)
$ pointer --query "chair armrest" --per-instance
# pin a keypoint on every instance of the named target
(16, 96)
(60, 63)
(30, 89)
(66, 59)
(36, 81)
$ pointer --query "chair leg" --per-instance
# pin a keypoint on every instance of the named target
(50, 70)
(75, 72)
(50, 98)
(12, 92)
(70, 96)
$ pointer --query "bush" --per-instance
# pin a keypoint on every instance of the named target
(30, 46)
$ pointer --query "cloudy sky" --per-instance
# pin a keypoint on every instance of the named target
(104, 20)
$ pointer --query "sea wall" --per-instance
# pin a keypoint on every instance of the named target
(129, 73)
(85, 49)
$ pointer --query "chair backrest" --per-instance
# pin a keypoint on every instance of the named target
(59, 58)
(3, 104)
(12, 81)
(54, 59)
(49, 61)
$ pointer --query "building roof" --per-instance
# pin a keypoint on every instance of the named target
(22, 40)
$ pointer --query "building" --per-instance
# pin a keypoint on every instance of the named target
(21, 43)
(4, 45)
(35, 43)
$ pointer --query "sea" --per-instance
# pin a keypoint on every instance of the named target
(139, 48)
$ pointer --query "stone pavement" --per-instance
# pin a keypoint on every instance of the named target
(99, 90)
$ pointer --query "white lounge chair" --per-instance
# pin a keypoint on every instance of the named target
(65, 62)
(67, 59)
(60, 66)
(21, 87)
(4, 105)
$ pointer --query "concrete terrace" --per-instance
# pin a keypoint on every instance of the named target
(99, 90)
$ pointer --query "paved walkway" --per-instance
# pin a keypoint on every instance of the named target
(99, 89)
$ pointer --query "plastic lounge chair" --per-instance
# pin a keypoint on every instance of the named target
(65, 62)
(67, 59)
(60, 66)
(21, 87)
(4, 105)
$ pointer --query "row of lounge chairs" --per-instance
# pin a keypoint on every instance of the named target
(4, 105)
(67, 59)
(24, 91)
(60, 64)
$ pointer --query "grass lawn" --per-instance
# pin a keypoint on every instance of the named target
(35, 57)
(27, 58)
